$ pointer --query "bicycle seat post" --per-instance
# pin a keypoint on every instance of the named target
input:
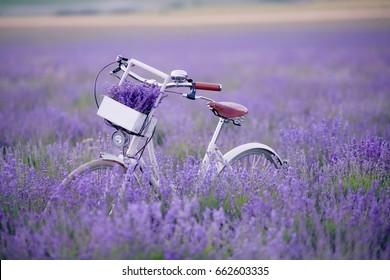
(212, 149)
(217, 132)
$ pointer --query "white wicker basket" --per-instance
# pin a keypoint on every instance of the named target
(126, 117)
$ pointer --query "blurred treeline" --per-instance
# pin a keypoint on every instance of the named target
(94, 7)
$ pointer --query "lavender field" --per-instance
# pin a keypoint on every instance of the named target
(318, 94)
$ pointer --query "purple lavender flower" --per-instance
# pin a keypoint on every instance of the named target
(140, 97)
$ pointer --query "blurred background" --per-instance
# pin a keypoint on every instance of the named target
(96, 7)
(187, 13)
(255, 48)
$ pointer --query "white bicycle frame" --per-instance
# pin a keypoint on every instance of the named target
(212, 153)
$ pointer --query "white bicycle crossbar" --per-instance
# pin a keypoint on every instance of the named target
(134, 62)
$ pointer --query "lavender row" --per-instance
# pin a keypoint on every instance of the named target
(337, 210)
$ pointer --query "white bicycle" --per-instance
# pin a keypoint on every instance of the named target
(102, 179)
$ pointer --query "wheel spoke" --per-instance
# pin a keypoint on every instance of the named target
(95, 185)
(256, 164)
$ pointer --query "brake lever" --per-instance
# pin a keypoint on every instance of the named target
(191, 95)
(116, 70)
(120, 58)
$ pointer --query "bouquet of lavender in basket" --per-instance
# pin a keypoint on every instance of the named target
(140, 97)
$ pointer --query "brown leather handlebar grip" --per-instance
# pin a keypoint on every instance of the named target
(208, 86)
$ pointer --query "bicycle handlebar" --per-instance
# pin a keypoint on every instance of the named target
(125, 65)
(208, 86)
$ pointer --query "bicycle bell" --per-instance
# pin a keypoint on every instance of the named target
(179, 76)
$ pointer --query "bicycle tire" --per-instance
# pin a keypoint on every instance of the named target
(255, 164)
(96, 185)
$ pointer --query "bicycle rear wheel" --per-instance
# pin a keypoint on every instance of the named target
(254, 165)
(96, 185)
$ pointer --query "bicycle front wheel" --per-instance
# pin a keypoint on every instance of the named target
(96, 185)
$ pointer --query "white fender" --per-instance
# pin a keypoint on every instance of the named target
(249, 146)
(111, 157)
(119, 159)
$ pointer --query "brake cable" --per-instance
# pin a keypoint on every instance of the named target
(96, 79)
